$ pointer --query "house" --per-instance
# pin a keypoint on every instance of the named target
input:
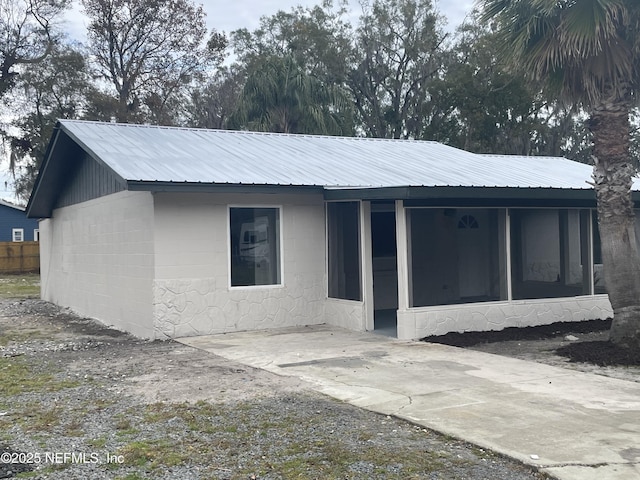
(173, 232)
(14, 224)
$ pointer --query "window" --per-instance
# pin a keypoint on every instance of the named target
(343, 234)
(17, 234)
(255, 246)
(36, 235)
(468, 221)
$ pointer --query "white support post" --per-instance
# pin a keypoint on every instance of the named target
(402, 246)
(507, 239)
(366, 263)
(590, 266)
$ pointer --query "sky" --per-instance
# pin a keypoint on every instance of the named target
(226, 16)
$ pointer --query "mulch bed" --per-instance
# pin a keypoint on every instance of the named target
(600, 353)
(596, 352)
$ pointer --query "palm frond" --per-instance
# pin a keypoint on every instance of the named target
(581, 44)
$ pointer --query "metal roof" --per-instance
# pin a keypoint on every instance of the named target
(11, 205)
(169, 154)
(152, 158)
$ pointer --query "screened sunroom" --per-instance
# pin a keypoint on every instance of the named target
(422, 269)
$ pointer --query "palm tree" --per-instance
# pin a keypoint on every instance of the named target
(588, 51)
(280, 96)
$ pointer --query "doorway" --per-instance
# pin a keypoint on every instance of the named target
(385, 268)
(473, 263)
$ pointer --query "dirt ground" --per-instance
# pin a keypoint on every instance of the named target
(162, 410)
(160, 371)
(168, 411)
(166, 364)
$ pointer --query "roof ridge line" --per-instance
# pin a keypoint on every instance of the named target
(250, 132)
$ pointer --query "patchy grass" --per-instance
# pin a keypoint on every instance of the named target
(124, 425)
(154, 453)
(98, 443)
(22, 336)
(35, 418)
(17, 376)
(132, 476)
(20, 286)
(242, 440)
(302, 451)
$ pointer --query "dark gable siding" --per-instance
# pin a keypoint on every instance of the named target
(90, 180)
(11, 218)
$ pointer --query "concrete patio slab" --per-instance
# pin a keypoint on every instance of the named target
(570, 424)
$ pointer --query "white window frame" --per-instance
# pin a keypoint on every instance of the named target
(17, 232)
(280, 253)
(36, 234)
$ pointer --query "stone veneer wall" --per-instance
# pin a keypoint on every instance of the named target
(345, 313)
(418, 323)
(191, 292)
(97, 259)
(190, 307)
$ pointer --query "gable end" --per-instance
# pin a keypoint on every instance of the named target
(91, 180)
(68, 175)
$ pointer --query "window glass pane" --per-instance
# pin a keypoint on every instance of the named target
(343, 233)
(547, 258)
(18, 234)
(255, 246)
(456, 256)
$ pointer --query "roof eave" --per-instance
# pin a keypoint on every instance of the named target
(34, 208)
(211, 187)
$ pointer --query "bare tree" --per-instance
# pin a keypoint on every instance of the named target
(398, 55)
(25, 35)
(54, 88)
(149, 51)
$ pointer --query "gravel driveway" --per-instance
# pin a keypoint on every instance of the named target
(81, 401)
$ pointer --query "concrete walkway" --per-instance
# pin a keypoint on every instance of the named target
(573, 425)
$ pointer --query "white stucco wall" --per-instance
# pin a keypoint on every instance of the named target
(418, 323)
(345, 313)
(97, 259)
(192, 293)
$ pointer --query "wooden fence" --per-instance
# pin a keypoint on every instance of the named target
(19, 257)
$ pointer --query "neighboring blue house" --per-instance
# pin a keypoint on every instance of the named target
(15, 226)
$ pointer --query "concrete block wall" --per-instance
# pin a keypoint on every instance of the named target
(192, 293)
(416, 323)
(97, 259)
